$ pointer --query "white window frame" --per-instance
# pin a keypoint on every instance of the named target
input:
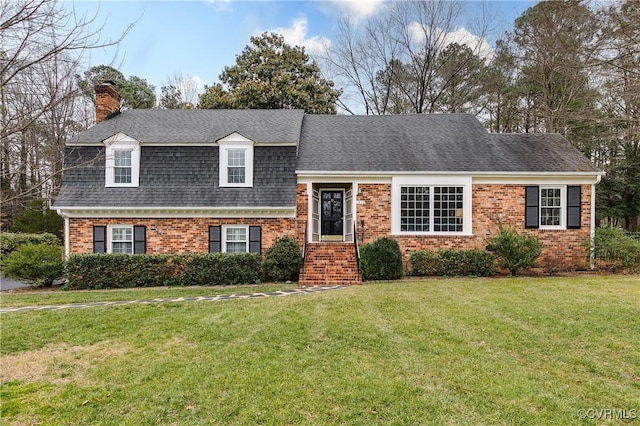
(563, 207)
(224, 240)
(235, 142)
(121, 142)
(110, 241)
(431, 181)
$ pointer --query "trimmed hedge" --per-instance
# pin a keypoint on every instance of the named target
(381, 260)
(94, 271)
(10, 241)
(452, 263)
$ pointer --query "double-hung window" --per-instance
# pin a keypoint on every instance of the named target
(122, 166)
(236, 165)
(431, 206)
(235, 239)
(553, 207)
(550, 207)
(122, 161)
(236, 161)
(121, 239)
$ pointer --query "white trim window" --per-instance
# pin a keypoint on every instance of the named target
(120, 239)
(122, 161)
(552, 207)
(431, 206)
(235, 239)
(236, 161)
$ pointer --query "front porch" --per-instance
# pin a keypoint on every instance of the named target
(330, 246)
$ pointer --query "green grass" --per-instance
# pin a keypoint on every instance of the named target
(58, 297)
(441, 351)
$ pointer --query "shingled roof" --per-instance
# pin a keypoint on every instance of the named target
(197, 126)
(428, 143)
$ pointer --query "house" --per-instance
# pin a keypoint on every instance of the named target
(193, 181)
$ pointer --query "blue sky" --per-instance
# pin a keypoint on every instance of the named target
(198, 38)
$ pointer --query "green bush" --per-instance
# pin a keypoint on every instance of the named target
(381, 260)
(124, 271)
(452, 263)
(282, 260)
(515, 251)
(424, 263)
(616, 249)
(40, 263)
(10, 241)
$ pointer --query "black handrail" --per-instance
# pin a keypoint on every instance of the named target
(355, 243)
(304, 245)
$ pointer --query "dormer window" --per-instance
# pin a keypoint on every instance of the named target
(236, 165)
(236, 161)
(122, 161)
(122, 166)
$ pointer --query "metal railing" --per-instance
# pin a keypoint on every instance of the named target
(304, 245)
(357, 247)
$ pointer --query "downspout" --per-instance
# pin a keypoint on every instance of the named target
(592, 236)
(67, 245)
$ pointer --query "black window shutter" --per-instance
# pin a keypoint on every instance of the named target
(214, 239)
(99, 239)
(139, 239)
(255, 239)
(532, 211)
(573, 207)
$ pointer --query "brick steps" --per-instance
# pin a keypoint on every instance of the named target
(330, 263)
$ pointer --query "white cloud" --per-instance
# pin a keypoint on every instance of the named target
(462, 36)
(358, 9)
(221, 5)
(296, 35)
(197, 82)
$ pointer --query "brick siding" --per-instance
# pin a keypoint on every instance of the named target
(491, 203)
(177, 235)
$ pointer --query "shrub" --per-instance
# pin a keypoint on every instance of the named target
(11, 241)
(40, 263)
(123, 270)
(616, 248)
(452, 263)
(516, 251)
(424, 263)
(381, 260)
(282, 260)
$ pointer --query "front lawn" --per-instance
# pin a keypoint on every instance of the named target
(440, 351)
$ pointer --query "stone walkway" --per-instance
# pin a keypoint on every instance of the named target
(220, 297)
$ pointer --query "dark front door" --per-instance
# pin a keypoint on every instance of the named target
(331, 206)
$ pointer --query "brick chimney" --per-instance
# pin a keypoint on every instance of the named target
(107, 100)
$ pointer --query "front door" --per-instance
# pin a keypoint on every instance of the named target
(331, 218)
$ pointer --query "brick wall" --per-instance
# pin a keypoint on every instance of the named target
(176, 235)
(490, 204)
(302, 212)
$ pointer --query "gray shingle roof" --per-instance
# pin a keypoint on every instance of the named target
(198, 126)
(187, 176)
(428, 143)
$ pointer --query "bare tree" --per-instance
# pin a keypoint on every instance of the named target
(42, 45)
(179, 92)
(394, 63)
